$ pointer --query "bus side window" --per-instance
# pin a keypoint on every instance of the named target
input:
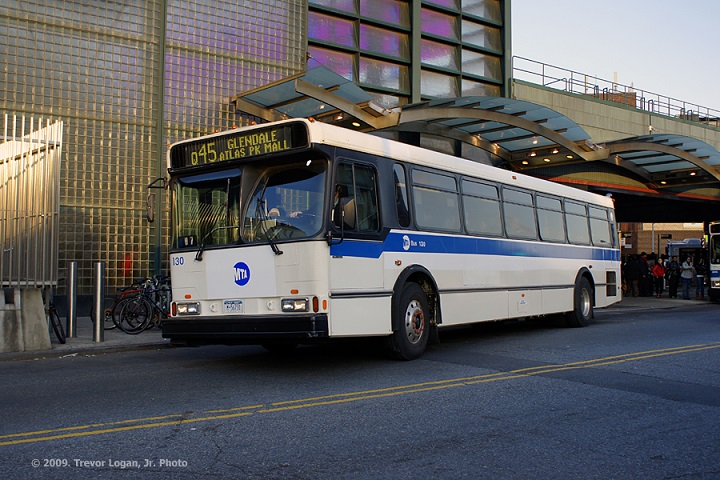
(401, 195)
(356, 198)
(577, 223)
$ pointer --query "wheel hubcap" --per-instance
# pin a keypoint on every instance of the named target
(414, 321)
(585, 303)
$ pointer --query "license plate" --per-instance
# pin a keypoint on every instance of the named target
(233, 306)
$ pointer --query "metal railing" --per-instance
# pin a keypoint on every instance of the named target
(29, 202)
(583, 84)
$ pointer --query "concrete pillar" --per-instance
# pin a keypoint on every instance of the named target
(34, 322)
(11, 334)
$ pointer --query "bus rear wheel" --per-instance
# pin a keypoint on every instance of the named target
(582, 313)
(411, 324)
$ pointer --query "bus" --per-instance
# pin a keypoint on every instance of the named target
(712, 230)
(296, 231)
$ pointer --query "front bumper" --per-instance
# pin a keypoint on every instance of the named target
(246, 329)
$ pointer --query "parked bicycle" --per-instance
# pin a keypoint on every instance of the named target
(144, 309)
(110, 302)
(53, 319)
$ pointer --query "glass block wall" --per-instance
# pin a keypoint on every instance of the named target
(98, 65)
(405, 51)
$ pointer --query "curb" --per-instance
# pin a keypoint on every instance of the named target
(83, 350)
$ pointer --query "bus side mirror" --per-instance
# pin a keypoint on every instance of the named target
(150, 213)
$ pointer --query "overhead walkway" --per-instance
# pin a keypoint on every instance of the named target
(662, 177)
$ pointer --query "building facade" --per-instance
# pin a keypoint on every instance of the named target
(129, 77)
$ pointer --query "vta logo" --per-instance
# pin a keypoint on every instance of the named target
(242, 274)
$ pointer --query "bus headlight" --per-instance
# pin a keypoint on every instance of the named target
(716, 283)
(192, 308)
(295, 304)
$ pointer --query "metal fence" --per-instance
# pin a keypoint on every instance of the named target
(30, 155)
(583, 84)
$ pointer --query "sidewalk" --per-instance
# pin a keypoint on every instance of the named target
(117, 340)
(83, 343)
(651, 303)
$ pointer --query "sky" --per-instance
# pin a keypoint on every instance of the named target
(667, 47)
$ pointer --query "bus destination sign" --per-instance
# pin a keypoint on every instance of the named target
(239, 145)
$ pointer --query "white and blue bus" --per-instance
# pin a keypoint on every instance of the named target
(298, 231)
(712, 230)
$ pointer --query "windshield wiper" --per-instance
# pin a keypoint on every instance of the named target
(259, 213)
(198, 255)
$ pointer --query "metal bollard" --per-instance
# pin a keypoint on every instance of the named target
(71, 300)
(98, 294)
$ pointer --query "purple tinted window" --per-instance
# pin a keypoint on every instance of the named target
(436, 23)
(344, 5)
(377, 40)
(390, 11)
(444, 3)
(331, 29)
(338, 62)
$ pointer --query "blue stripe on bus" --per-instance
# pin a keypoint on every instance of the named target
(448, 244)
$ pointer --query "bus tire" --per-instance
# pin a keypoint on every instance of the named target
(582, 313)
(411, 324)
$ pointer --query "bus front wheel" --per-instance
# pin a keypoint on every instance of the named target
(411, 324)
(582, 313)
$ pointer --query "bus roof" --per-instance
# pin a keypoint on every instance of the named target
(326, 134)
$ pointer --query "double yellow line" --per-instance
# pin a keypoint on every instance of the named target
(335, 399)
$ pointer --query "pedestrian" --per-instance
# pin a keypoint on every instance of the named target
(700, 271)
(632, 275)
(673, 271)
(688, 272)
(659, 274)
(645, 283)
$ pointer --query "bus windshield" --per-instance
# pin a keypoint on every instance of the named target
(287, 202)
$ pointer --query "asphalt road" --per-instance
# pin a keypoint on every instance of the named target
(635, 395)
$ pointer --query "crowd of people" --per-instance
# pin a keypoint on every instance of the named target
(647, 275)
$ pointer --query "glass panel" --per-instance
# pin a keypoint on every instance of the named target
(549, 203)
(516, 196)
(434, 180)
(577, 229)
(600, 230)
(489, 9)
(390, 11)
(552, 226)
(440, 24)
(438, 85)
(383, 74)
(598, 212)
(331, 29)
(481, 65)
(482, 216)
(338, 62)
(439, 54)
(207, 209)
(436, 210)
(401, 195)
(480, 189)
(481, 36)
(344, 5)
(575, 208)
(287, 203)
(520, 221)
(356, 198)
(473, 88)
(385, 42)
(444, 3)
